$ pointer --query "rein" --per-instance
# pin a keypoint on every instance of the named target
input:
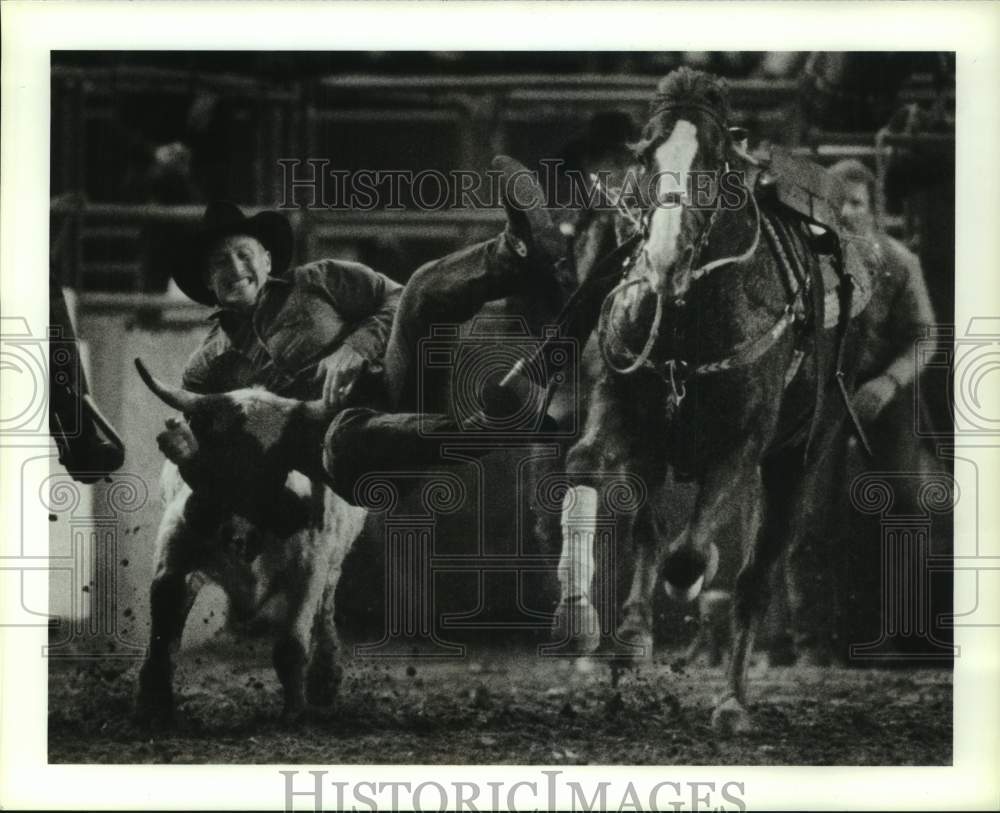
(745, 353)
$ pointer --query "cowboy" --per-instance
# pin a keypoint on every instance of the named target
(900, 309)
(339, 330)
(304, 332)
(898, 313)
(524, 260)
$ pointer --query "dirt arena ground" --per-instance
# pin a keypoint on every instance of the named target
(513, 710)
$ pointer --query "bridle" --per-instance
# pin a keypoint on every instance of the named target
(673, 371)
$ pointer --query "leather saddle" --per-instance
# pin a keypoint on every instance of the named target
(829, 276)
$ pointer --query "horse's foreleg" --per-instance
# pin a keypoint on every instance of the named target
(605, 450)
(577, 624)
(765, 510)
(725, 494)
(636, 629)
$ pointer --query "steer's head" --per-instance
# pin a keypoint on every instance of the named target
(249, 438)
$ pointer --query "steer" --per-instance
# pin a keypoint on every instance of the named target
(253, 515)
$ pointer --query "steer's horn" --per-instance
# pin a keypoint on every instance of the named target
(179, 399)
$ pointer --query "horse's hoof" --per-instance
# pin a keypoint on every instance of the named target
(782, 653)
(731, 717)
(634, 639)
(321, 694)
(684, 594)
(577, 625)
(686, 571)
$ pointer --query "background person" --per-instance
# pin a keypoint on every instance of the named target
(899, 314)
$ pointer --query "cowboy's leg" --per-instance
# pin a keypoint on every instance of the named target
(449, 290)
(453, 289)
(363, 441)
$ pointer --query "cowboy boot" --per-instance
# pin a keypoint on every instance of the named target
(530, 234)
(532, 250)
(501, 403)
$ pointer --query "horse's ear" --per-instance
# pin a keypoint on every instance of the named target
(716, 94)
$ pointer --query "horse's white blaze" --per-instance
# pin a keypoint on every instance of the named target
(579, 525)
(673, 162)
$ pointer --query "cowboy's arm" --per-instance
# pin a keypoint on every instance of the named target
(911, 314)
(201, 372)
(367, 301)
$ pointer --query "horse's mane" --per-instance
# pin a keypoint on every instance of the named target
(683, 87)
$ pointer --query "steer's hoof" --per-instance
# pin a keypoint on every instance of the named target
(292, 714)
(577, 626)
(322, 685)
(731, 717)
(153, 714)
(154, 702)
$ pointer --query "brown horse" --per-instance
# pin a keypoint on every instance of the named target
(703, 341)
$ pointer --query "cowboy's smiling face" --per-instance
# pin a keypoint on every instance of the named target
(237, 267)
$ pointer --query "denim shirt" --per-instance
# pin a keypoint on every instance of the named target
(900, 313)
(299, 319)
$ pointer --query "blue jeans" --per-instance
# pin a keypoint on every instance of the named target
(450, 290)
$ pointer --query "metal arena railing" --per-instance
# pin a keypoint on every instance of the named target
(407, 122)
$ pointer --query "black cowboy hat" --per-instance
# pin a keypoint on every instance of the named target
(222, 219)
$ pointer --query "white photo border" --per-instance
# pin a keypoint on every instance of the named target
(32, 29)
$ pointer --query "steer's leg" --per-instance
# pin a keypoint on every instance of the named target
(324, 673)
(343, 525)
(310, 552)
(171, 594)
